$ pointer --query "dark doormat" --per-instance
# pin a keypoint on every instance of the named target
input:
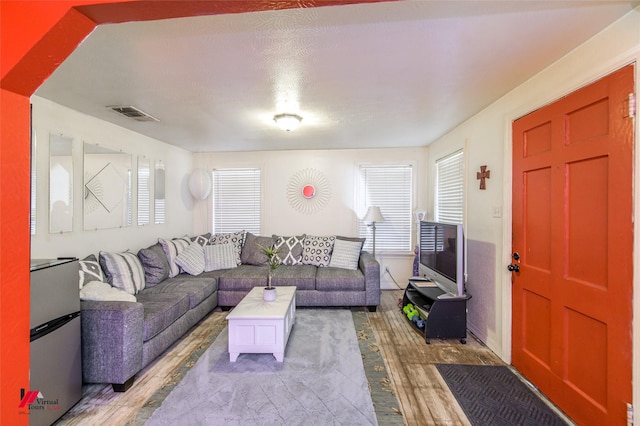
(494, 395)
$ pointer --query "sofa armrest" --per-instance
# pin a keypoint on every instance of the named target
(111, 340)
(371, 270)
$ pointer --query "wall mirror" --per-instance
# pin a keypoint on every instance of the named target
(107, 187)
(60, 183)
(33, 183)
(159, 193)
(144, 190)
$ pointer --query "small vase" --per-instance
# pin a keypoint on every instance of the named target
(269, 294)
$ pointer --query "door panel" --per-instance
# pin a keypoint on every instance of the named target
(572, 225)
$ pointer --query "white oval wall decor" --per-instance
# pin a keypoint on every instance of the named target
(308, 191)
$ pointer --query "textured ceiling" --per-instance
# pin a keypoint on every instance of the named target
(396, 74)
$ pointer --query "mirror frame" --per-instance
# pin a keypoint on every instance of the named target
(60, 183)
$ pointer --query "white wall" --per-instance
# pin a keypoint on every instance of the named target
(338, 217)
(49, 117)
(488, 141)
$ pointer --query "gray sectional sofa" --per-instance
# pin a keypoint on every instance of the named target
(120, 337)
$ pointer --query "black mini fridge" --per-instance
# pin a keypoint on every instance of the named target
(55, 377)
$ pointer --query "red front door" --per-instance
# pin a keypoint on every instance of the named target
(573, 231)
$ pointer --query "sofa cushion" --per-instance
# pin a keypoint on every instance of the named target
(345, 254)
(332, 279)
(123, 271)
(219, 256)
(90, 270)
(161, 310)
(301, 276)
(244, 277)
(289, 249)
(252, 253)
(235, 238)
(191, 259)
(172, 248)
(198, 288)
(155, 264)
(317, 250)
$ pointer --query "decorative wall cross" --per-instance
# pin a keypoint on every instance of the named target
(482, 175)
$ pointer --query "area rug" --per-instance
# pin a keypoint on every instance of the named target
(321, 381)
(494, 395)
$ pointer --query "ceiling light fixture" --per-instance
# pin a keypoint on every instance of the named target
(287, 122)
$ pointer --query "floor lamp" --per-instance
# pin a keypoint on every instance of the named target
(373, 215)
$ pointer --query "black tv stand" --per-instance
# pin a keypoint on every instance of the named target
(446, 314)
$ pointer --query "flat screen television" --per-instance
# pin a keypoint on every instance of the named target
(442, 255)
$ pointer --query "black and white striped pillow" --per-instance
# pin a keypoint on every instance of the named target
(172, 248)
(219, 256)
(191, 259)
(123, 271)
(235, 238)
(345, 254)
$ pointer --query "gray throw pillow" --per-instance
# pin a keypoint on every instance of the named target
(155, 264)
(252, 252)
(90, 270)
(203, 239)
(289, 249)
(362, 240)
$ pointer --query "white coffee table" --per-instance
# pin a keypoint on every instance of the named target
(256, 326)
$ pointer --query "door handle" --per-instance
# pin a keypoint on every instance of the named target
(515, 267)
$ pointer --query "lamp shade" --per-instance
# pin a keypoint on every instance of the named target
(287, 122)
(373, 215)
(200, 184)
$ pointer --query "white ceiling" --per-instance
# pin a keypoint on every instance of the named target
(396, 74)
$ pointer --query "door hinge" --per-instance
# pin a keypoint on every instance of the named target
(629, 414)
(630, 107)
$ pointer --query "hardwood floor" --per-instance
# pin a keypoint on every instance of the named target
(423, 396)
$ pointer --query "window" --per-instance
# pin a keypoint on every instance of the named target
(449, 200)
(389, 187)
(236, 200)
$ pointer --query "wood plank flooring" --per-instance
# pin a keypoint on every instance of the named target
(424, 398)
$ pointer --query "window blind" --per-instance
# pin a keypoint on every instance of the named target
(144, 195)
(236, 200)
(389, 187)
(450, 188)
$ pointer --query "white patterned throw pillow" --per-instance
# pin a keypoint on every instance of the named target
(289, 249)
(123, 271)
(219, 256)
(345, 254)
(316, 251)
(191, 259)
(172, 248)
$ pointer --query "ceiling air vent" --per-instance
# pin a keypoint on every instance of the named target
(132, 113)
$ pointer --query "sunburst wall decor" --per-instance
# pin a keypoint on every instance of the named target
(308, 191)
